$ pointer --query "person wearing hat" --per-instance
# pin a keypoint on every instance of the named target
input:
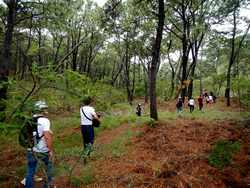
(42, 150)
(138, 109)
(87, 114)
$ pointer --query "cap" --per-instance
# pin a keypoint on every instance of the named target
(40, 105)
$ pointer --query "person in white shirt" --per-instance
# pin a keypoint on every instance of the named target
(210, 99)
(191, 104)
(42, 149)
(87, 114)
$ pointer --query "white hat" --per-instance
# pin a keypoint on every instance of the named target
(39, 105)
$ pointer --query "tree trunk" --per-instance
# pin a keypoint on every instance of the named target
(201, 86)
(172, 78)
(191, 85)
(231, 61)
(228, 87)
(155, 60)
(39, 46)
(184, 77)
(6, 56)
(127, 74)
(185, 53)
(146, 88)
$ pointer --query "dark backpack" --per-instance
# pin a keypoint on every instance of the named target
(26, 138)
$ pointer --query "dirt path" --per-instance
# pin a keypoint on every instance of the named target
(175, 155)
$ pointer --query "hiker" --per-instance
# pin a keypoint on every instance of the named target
(205, 95)
(191, 104)
(210, 98)
(87, 113)
(207, 99)
(42, 150)
(200, 102)
(138, 110)
(179, 105)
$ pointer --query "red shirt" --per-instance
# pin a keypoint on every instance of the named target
(200, 100)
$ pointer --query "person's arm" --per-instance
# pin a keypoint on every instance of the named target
(95, 115)
(48, 139)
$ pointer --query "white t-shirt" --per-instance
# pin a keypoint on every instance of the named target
(43, 124)
(210, 97)
(89, 112)
(191, 102)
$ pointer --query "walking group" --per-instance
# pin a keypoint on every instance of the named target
(39, 144)
(202, 99)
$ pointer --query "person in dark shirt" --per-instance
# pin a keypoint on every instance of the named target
(179, 105)
(138, 109)
(200, 102)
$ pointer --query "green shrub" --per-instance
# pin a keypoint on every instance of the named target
(76, 182)
(151, 122)
(222, 153)
(87, 175)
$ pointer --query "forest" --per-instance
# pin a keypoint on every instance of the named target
(125, 53)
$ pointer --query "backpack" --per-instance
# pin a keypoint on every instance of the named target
(26, 137)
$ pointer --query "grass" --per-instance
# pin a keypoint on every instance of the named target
(207, 115)
(61, 169)
(119, 145)
(87, 175)
(121, 108)
(68, 144)
(71, 152)
(65, 122)
(222, 153)
(68, 141)
(116, 148)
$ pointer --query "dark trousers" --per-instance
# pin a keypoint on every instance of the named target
(191, 107)
(138, 113)
(200, 106)
(87, 135)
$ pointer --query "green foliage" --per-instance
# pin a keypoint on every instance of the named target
(207, 114)
(76, 181)
(6, 128)
(88, 179)
(118, 146)
(151, 122)
(163, 89)
(241, 86)
(110, 122)
(140, 89)
(62, 92)
(222, 153)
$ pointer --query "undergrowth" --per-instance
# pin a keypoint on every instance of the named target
(206, 115)
(222, 153)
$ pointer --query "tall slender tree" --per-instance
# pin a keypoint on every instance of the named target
(235, 48)
(156, 47)
(6, 56)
